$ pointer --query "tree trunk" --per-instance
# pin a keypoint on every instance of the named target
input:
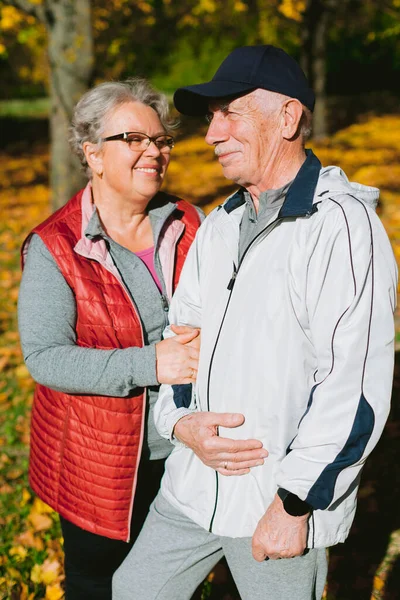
(70, 50)
(320, 125)
(314, 59)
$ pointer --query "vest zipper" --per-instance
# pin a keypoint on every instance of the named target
(140, 446)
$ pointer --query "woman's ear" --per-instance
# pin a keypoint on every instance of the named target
(292, 112)
(94, 157)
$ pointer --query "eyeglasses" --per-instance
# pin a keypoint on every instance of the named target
(140, 141)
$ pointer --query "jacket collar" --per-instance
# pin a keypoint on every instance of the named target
(300, 197)
(298, 203)
(93, 248)
(236, 200)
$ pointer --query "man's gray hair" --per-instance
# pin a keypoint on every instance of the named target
(305, 125)
(270, 100)
(92, 110)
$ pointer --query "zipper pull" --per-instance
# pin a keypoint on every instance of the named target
(164, 303)
(232, 281)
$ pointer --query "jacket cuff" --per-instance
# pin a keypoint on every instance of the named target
(292, 503)
(172, 420)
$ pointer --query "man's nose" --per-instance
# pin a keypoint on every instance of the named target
(217, 131)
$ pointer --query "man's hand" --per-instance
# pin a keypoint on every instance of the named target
(199, 431)
(177, 357)
(279, 535)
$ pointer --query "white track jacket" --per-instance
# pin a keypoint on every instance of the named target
(298, 337)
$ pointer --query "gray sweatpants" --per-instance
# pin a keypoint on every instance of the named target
(173, 555)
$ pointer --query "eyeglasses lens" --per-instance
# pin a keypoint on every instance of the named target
(139, 141)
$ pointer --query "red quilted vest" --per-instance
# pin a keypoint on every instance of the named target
(85, 450)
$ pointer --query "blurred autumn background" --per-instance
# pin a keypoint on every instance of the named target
(51, 51)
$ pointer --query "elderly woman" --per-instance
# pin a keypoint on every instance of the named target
(93, 303)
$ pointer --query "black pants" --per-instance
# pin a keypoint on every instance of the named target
(90, 559)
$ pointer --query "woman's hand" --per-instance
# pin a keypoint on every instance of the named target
(177, 357)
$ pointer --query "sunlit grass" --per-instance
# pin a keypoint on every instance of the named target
(31, 107)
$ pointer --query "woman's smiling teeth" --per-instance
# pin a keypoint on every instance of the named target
(147, 169)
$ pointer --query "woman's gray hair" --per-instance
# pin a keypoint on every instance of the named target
(90, 113)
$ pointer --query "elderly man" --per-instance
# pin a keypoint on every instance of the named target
(293, 283)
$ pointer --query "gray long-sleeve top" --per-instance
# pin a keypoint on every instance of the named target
(254, 222)
(47, 318)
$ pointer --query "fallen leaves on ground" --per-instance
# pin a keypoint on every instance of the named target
(30, 542)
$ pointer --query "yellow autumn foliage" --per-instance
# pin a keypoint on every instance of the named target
(292, 9)
(19, 552)
(369, 152)
(10, 18)
(41, 507)
(54, 592)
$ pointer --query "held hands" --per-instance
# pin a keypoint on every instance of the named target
(279, 535)
(199, 431)
(177, 357)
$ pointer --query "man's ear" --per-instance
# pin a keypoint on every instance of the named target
(291, 116)
(94, 157)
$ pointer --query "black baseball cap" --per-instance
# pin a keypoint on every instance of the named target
(243, 70)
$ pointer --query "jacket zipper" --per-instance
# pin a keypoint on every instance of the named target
(230, 288)
(165, 307)
(160, 274)
(313, 529)
(208, 394)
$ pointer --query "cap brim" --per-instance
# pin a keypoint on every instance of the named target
(193, 100)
